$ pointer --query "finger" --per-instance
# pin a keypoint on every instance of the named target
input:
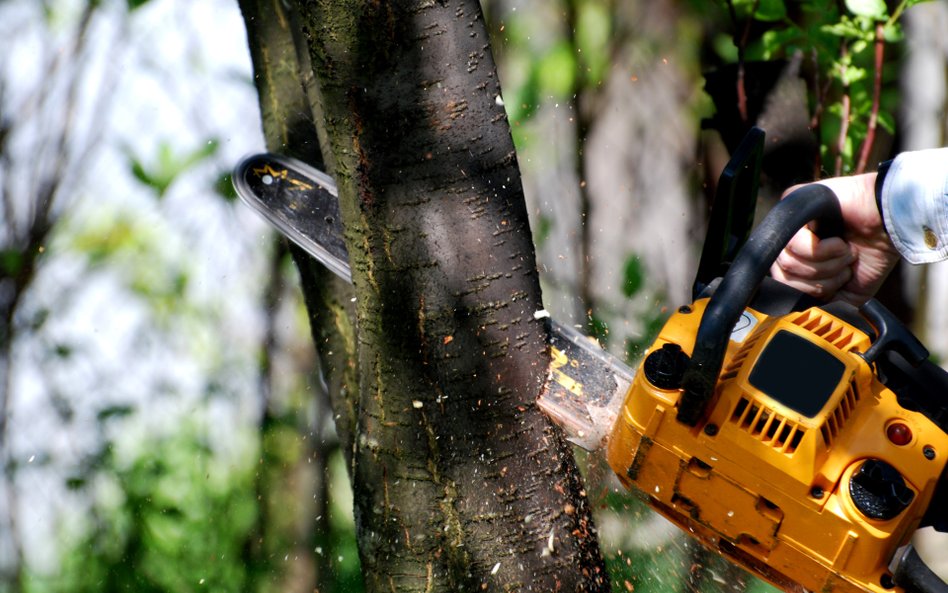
(806, 245)
(813, 269)
(823, 288)
(791, 189)
(856, 299)
(804, 287)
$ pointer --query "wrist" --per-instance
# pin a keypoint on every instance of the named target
(878, 185)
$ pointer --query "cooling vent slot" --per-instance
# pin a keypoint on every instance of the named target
(734, 365)
(766, 425)
(834, 422)
(826, 327)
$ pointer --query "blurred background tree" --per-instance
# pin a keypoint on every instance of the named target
(163, 425)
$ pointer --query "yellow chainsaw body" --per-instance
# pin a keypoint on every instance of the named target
(766, 484)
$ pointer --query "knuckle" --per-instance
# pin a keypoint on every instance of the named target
(792, 264)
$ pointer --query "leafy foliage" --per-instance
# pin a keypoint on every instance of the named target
(156, 524)
(844, 47)
(168, 165)
(633, 277)
(11, 261)
(224, 186)
(176, 517)
(560, 69)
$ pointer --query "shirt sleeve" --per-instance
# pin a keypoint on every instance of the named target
(914, 204)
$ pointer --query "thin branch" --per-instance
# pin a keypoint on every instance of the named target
(6, 173)
(845, 111)
(581, 127)
(270, 347)
(843, 132)
(820, 90)
(866, 148)
(97, 128)
(896, 13)
(42, 221)
(741, 48)
(37, 228)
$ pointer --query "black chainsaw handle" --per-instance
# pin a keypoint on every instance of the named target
(912, 574)
(809, 203)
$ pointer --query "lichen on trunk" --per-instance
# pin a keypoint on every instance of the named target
(284, 85)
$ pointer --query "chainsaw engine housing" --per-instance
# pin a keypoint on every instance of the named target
(804, 469)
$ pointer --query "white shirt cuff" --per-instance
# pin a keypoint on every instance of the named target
(915, 205)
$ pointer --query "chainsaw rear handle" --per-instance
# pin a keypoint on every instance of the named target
(740, 283)
(809, 203)
(911, 573)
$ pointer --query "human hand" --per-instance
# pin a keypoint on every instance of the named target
(850, 268)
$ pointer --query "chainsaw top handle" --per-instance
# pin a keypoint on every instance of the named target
(809, 203)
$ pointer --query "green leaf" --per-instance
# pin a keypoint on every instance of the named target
(11, 262)
(202, 153)
(853, 74)
(224, 187)
(633, 276)
(593, 31)
(114, 411)
(75, 483)
(724, 47)
(556, 74)
(892, 33)
(770, 11)
(887, 121)
(544, 226)
(776, 42)
(844, 28)
(136, 4)
(521, 101)
(868, 8)
(39, 319)
(743, 7)
(113, 236)
(168, 166)
(598, 329)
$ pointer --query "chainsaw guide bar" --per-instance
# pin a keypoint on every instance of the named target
(585, 386)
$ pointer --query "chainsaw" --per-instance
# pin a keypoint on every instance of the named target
(804, 441)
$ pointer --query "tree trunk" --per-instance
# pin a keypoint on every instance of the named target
(284, 82)
(460, 483)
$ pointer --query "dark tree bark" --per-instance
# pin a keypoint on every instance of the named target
(460, 483)
(284, 84)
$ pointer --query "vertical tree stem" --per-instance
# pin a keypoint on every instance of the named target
(460, 482)
(845, 110)
(866, 148)
(741, 44)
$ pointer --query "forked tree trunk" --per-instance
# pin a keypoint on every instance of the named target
(460, 483)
